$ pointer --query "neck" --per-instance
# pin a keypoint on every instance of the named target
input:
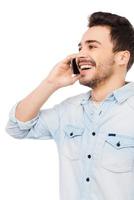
(99, 93)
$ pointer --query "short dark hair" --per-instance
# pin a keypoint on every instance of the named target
(122, 31)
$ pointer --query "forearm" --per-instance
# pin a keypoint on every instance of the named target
(29, 107)
(60, 76)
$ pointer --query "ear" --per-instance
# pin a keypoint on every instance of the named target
(122, 57)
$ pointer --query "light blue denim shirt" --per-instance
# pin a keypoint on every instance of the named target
(95, 145)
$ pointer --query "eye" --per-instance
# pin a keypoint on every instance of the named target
(91, 46)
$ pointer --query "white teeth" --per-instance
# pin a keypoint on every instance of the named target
(86, 66)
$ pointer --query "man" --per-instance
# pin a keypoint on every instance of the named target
(94, 131)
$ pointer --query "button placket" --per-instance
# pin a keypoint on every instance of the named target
(89, 156)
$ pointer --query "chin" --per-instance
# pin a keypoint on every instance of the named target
(86, 79)
(92, 83)
(85, 83)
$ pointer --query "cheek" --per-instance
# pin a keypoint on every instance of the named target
(106, 61)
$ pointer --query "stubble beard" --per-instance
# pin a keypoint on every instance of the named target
(100, 77)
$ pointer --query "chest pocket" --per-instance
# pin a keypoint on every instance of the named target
(118, 153)
(72, 142)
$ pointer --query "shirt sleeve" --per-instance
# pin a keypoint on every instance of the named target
(44, 126)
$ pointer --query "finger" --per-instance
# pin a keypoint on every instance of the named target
(75, 79)
(68, 59)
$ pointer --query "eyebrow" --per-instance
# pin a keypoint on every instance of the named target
(88, 42)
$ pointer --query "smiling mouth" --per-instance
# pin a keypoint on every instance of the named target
(86, 67)
(86, 64)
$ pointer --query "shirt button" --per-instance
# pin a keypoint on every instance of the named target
(87, 179)
(118, 144)
(89, 156)
(100, 112)
(93, 133)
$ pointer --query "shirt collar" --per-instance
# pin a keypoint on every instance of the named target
(121, 94)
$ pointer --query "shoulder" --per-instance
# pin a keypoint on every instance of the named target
(130, 101)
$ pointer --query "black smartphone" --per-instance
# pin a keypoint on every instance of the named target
(75, 67)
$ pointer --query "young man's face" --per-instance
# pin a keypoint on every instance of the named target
(96, 43)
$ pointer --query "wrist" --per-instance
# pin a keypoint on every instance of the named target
(51, 84)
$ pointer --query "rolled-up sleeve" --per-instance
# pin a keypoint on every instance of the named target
(44, 126)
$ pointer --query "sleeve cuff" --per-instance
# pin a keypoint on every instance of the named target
(22, 125)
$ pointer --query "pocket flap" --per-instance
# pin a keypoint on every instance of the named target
(120, 141)
(72, 131)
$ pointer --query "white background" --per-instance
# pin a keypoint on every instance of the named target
(34, 36)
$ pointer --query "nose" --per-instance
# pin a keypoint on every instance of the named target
(84, 51)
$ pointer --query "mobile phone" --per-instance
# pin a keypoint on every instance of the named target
(75, 67)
